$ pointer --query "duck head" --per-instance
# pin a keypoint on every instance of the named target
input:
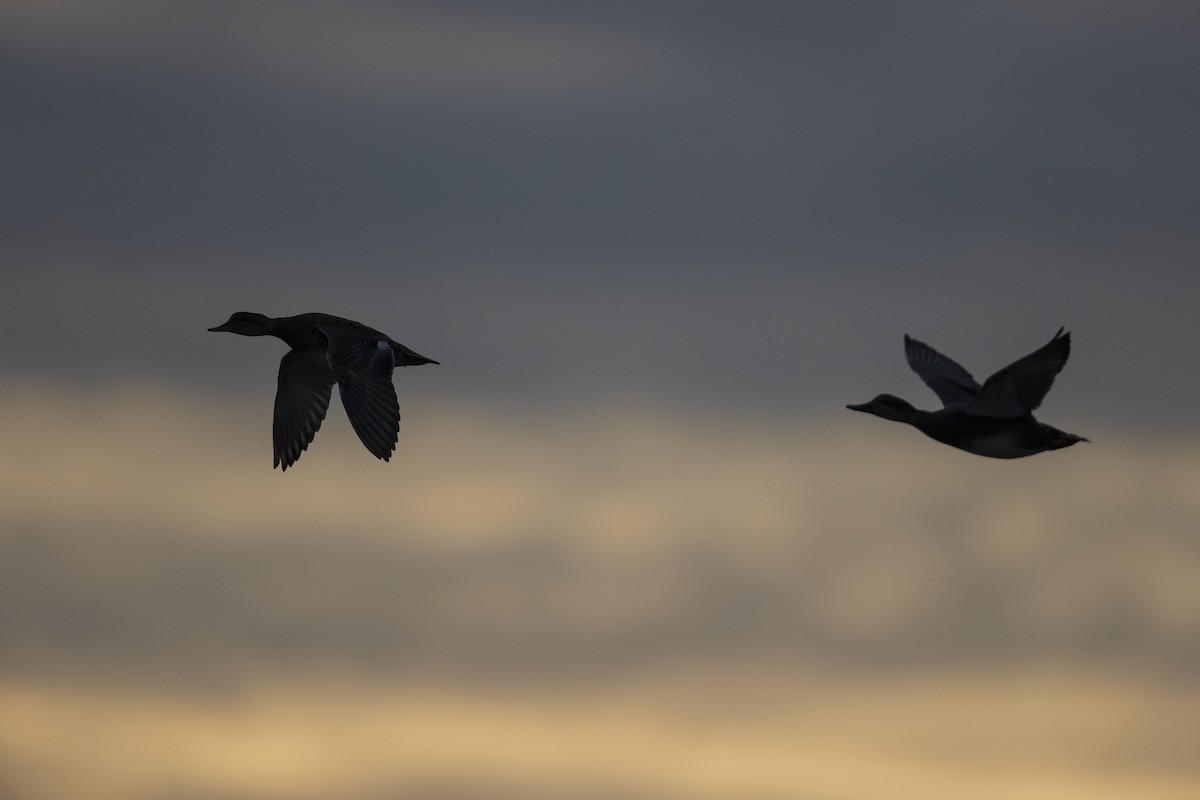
(247, 323)
(887, 406)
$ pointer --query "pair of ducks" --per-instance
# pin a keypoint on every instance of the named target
(994, 420)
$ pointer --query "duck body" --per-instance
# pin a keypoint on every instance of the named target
(993, 420)
(326, 350)
(991, 436)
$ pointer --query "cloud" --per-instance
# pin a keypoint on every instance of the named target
(606, 536)
(584, 602)
(728, 734)
(351, 50)
(690, 204)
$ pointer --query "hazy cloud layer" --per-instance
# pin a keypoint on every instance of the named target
(685, 585)
(586, 541)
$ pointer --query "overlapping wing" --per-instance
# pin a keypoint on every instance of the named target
(953, 385)
(363, 369)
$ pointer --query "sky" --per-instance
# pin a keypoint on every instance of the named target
(716, 205)
(631, 543)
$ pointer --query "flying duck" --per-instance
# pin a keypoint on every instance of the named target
(993, 420)
(327, 350)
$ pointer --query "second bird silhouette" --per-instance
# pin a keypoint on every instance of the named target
(327, 350)
(994, 420)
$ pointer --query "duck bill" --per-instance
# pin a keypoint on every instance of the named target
(222, 327)
(864, 407)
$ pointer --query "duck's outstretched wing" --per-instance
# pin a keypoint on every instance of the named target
(301, 401)
(363, 368)
(1020, 387)
(953, 385)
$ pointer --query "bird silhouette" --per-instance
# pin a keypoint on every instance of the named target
(327, 350)
(993, 420)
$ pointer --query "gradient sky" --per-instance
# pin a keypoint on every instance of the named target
(631, 544)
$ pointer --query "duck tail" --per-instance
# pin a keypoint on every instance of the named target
(1062, 439)
(409, 358)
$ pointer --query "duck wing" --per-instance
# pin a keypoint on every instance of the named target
(1020, 387)
(363, 368)
(953, 385)
(301, 401)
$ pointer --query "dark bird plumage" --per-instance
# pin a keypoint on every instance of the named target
(995, 419)
(328, 350)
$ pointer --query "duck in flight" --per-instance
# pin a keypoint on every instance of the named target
(328, 350)
(994, 420)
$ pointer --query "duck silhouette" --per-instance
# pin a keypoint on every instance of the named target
(328, 350)
(993, 420)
